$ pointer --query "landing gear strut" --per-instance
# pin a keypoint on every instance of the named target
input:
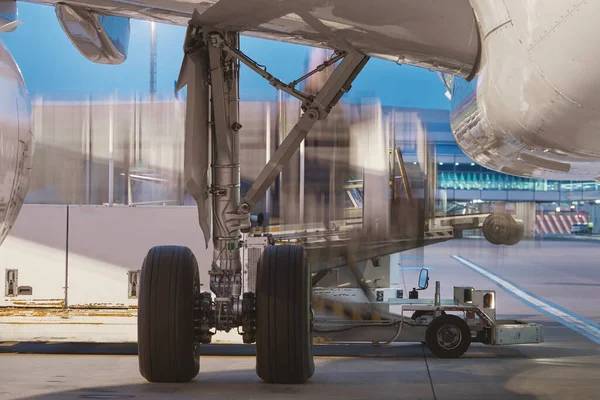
(278, 314)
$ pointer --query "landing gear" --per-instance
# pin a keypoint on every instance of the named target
(276, 314)
(283, 330)
(448, 336)
(167, 347)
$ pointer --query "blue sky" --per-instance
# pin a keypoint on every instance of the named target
(52, 67)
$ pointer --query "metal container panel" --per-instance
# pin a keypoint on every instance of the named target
(518, 333)
(36, 248)
(107, 242)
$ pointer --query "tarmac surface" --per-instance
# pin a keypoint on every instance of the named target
(554, 283)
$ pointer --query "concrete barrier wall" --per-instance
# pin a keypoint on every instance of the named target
(79, 256)
(106, 242)
(36, 248)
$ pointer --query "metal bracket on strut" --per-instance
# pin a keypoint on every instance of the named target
(315, 108)
(214, 191)
(290, 88)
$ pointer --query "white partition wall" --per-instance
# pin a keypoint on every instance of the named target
(76, 260)
(107, 242)
(36, 250)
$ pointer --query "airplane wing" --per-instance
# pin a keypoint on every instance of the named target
(440, 35)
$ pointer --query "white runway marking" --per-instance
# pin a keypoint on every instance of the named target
(579, 324)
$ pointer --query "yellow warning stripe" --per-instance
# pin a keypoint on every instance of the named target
(353, 311)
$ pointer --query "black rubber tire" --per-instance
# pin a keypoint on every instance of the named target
(167, 350)
(419, 313)
(284, 318)
(439, 323)
(498, 228)
(518, 232)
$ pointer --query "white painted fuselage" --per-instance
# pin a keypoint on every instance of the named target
(534, 109)
(16, 141)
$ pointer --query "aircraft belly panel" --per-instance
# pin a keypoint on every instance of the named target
(437, 35)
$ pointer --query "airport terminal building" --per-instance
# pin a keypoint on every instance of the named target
(130, 152)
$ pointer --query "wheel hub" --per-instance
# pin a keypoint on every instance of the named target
(202, 316)
(498, 230)
(249, 317)
(449, 337)
(196, 321)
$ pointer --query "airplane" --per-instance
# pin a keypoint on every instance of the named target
(16, 141)
(523, 102)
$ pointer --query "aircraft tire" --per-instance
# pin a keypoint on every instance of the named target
(167, 349)
(284, 319)
(518, 232)
(498, 228)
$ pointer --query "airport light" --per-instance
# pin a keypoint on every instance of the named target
(441, 163)
(472, 164)
(456, 164)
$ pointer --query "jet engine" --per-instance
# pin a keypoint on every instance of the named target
(16, 141)
(501, 228)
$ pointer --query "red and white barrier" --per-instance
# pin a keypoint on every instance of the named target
(557, 224)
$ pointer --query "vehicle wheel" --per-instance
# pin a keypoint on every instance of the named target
(420, 313)
(167, 349)
(448, 336)
(284, 318)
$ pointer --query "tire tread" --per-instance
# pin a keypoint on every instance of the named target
(165, 315)
(283, 337)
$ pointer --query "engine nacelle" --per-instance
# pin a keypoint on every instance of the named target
(16, 141)
(103, 39)
(534, 109)
(501, 228)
